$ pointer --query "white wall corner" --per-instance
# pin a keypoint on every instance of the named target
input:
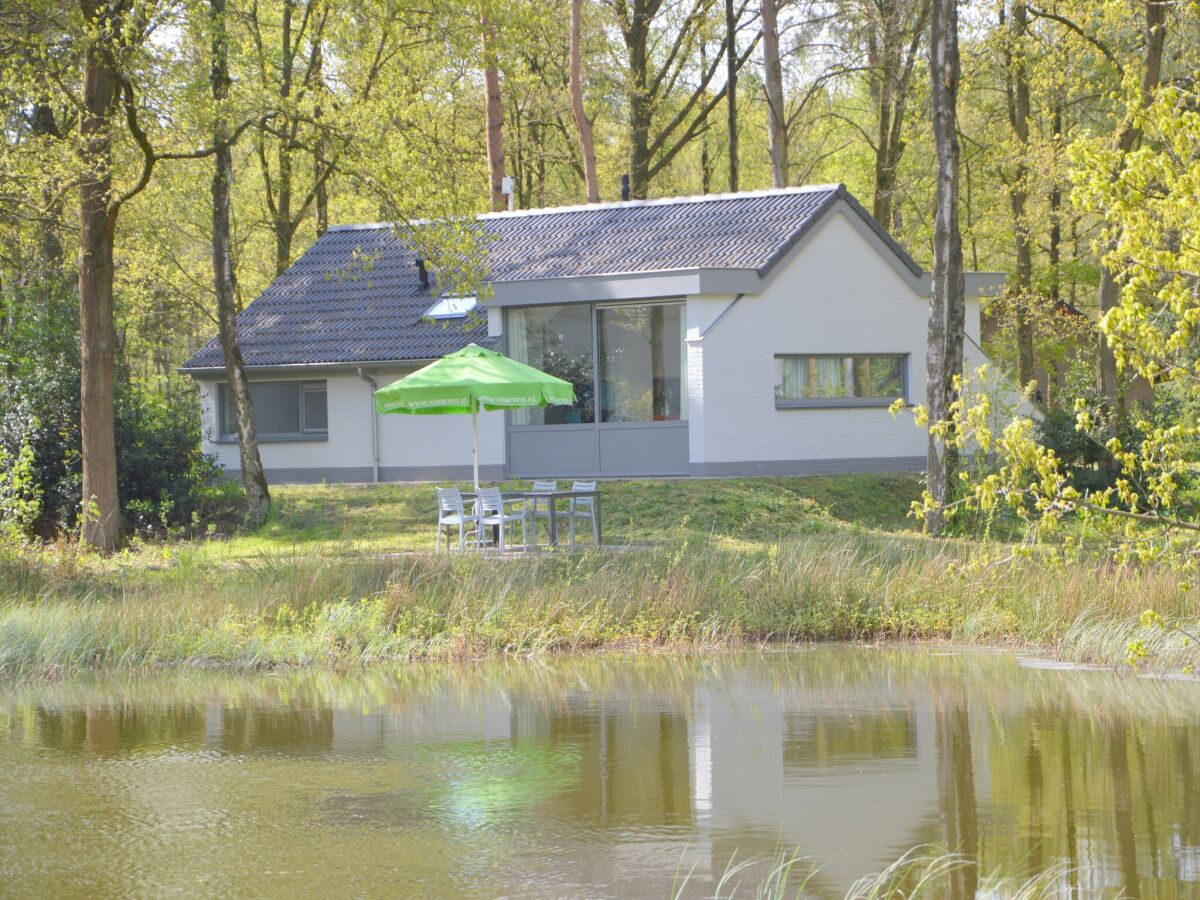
(495, 321)
(695, 392)
(703, 310)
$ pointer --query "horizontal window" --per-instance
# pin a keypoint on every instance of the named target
(282, 409)
(822, 380)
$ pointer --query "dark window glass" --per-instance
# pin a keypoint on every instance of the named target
(641, 363)
(280, 408)
(316, 413)
(557, 340)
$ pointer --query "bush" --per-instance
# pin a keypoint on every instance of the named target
(165, 482)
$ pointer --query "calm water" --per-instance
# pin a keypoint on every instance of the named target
(603, 776)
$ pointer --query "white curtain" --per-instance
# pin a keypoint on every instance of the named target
(830, 372)
(794, 377)
(518, 349)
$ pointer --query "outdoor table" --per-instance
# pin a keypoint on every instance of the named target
(553, 497)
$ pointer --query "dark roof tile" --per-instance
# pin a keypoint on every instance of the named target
(355, 296)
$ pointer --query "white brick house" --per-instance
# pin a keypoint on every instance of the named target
(762, 332)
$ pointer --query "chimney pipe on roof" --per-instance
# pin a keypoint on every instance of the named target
(625, 186)
(422, 272)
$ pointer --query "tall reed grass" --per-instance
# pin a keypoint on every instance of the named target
(921, 874)
(313, 609)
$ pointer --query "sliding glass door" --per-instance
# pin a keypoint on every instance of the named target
(627, 363)
(642, 360)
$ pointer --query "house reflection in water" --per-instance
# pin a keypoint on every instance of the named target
(619, 776)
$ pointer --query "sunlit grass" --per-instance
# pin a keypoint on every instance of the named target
(307, 607)
(398, 517)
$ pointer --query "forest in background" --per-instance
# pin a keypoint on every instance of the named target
(311, 112)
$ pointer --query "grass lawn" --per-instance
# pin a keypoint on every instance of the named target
(392, 517)
(708, 563)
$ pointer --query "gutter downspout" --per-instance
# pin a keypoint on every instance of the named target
(374, 425)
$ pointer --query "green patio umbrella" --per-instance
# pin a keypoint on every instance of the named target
(469, 380)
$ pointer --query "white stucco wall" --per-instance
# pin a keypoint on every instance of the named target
(838, 293)
(410, 447)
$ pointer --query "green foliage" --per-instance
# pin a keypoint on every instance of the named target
(20, 495)
(164, 479)
(1149, 211)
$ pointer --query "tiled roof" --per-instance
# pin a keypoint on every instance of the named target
(355, 296)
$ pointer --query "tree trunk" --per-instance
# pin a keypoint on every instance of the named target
(893, 61)
(1108, 295)
(1054, 254)
(1018, 117)
(102, 526)
(258, 498)
(493, 112)
(639, 109)
(282, 224)
(648, 84)
(321, 202)
(947, 310)
(706, 166)
(49, 243)
(773, 83)
(586, 145)
(731, 71)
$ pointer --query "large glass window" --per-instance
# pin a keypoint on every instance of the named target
(641, 363)
(281, 409)
(839, 380)
(557, 340)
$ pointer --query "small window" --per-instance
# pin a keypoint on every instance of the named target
(451, 308)
(808, 381)
(315, 412)
(282, 410)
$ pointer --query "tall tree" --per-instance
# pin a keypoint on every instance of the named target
(289, 70)
(947, 309)
(97, 223)
(731, 75)
(583, 124)
(777, 139)
(895, 31)
(493, 115)
(652, 77)
(1109, 293)
(44, 125)
(1017, 97)
(258, 498)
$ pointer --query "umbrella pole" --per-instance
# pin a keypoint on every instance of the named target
(475, 445)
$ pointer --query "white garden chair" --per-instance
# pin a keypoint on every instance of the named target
(536, 508)
(450, 514)
(493, 512)
(583, 508)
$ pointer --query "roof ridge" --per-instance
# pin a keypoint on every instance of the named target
(664, 201)
(619, 204)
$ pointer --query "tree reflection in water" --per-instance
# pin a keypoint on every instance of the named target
(603, 775)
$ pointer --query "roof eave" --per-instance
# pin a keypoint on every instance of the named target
(208, 372)
(623, 286)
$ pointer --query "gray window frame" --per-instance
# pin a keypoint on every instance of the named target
(593, 309)
(846, 402)
(305, 434)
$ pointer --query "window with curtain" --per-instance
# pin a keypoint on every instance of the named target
(641, 363)
(282, 409)
(557, 340)
(871, 380)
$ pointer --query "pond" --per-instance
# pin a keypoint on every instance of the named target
(603, 776)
